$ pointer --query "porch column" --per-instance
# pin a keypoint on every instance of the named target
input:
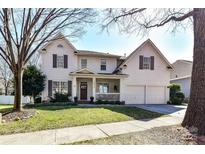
(74, 87)
(121, 90)
(94, 88)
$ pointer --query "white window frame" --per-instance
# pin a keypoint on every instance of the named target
(103, 88)
(59, 87)
(146, 63)
(103, 62)
(60, 61)
(85, 64)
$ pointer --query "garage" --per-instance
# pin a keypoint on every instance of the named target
(135, 94)
(145, 94)
(155, 95)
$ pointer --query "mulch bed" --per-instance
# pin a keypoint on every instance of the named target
(16, 116)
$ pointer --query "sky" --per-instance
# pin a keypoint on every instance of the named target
(174, 46)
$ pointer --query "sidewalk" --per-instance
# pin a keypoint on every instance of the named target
(88, 132)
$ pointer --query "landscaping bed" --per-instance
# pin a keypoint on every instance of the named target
(167, 135)
(51, 117)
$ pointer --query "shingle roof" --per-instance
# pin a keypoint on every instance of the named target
(95, 53)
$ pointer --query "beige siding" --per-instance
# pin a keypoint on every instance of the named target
(181, 69)
(160, 76)
(93, 63)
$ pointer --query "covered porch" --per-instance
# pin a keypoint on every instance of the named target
(104, 87)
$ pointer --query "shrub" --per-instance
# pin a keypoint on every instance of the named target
(176, 96)
(60, 97)
(110, 102)
(37, 100)
(174, 88)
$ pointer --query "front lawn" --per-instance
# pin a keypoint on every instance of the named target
(51, 117)
(5, 108)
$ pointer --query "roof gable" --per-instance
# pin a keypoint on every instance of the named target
(148, 41)
(59, 36)
(84, 71)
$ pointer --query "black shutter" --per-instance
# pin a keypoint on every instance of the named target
(49, 88)
(54, 61)
(65, 61)
(69, 88)
(152, 63)
(141, 62)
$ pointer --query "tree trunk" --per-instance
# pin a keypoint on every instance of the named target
(195, 114)
(6, 90)
(18, 91)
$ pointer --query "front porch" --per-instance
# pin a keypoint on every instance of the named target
(104, 87)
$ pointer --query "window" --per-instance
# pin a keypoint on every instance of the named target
(103, 87)
(146, 62)
(83, 63)
(103, 65)
(60, 61)
(60, 87)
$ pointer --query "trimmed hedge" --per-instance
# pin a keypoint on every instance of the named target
(109, 102)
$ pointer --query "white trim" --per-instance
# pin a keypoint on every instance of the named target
(107, 93)
(140, 47)
(180, 78)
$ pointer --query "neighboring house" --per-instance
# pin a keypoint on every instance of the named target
(140, 78)
(181, 75)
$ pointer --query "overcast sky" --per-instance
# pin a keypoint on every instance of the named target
(178, 45)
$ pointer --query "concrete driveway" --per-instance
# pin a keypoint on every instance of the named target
(173, 110)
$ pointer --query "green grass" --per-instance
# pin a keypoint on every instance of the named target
(51, 117)
(5, 108)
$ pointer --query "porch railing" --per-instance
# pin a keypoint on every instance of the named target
(108, 96)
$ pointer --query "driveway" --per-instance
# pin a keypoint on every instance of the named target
(173, 110)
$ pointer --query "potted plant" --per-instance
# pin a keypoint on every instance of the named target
(75, 99)
(91, 99)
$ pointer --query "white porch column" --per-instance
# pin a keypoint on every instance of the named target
(74, 87)
(94, 88)
(121, 90)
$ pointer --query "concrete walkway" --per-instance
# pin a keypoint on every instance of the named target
(88, 132)
(172, 110)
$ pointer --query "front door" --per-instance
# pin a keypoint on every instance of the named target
(83, 90)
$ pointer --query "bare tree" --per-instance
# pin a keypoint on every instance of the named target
(24, 31)
(141, 20)
(5, 76)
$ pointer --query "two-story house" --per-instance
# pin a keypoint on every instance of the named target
(182, 75)
(140, 78)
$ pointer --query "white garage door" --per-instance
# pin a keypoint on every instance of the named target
(134, 94)
(155, 95)
(137, 94)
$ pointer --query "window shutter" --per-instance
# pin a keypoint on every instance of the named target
(152, 63)
(50, 88)
(141, 62)
(65, 61)
(54, 61)
(69, 88)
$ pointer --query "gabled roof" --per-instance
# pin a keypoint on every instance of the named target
(94, 53)
(83, 71)
(141, 46)
(56, 37)
(183, 61)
